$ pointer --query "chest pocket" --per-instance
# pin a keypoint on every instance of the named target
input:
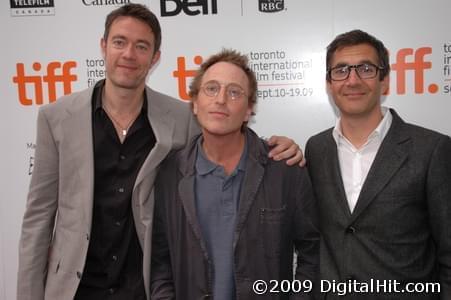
(272, 223)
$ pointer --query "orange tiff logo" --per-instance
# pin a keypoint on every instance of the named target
(182, 75)
(51, 78)
(417, 64)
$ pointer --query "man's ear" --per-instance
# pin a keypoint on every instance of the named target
(194, 106)
(328, 86)
(248, 115)
(385, 84)
(103, 47)
(155, 58)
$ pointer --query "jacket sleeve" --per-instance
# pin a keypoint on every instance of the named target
(307, 238)
(39, 217)
(161, 280)
(439, 203)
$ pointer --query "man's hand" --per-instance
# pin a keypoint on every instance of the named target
(286, 148)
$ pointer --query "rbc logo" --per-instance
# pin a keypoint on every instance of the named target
(185, 5)
(418, 65)
(51, 78)
(270, 5)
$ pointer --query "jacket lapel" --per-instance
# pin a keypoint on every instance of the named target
(78, 141)
(186, 189)
(187, 197)
(331, 166)
(256, 159)
(392, 154)
(163, 127)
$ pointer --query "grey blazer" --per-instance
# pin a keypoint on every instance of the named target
(400, 228)
(57, 221)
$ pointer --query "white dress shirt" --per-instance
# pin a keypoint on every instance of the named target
(355, 163)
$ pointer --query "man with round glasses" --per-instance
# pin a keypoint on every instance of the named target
(383, 186)
(226, 216)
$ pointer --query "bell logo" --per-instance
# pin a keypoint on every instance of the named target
(36, 81)
(185, 5)
(182, 74)
(418, 66)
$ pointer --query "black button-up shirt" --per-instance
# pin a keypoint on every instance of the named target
(114, 267)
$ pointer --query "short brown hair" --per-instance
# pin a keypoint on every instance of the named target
(137, 11)
(229, 56)
(357, 37)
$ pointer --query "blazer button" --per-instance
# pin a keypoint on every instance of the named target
(79, 275)
(206, 296)
(350, 230)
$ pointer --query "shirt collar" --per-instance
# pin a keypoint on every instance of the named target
(205, 166)
(98, 96)
(380, 132)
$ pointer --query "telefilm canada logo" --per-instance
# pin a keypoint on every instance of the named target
(271, 6)
(25, 8)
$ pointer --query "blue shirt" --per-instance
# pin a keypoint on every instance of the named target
(217, 200)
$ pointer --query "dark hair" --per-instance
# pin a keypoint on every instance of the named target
(357, 37)
(140, 12)
(229, 56)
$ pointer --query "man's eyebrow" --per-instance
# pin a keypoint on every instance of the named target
(123, 37)
(118, 36)
(145, 42)
(365, 61)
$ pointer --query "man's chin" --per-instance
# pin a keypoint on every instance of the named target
(127, 84)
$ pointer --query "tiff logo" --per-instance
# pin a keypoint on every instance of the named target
(418, 65)
(182, 75)
(188, 7)
(51, 78)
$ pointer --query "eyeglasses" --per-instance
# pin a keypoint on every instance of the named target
(232, 90)
(364, 71)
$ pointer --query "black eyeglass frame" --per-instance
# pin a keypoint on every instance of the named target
(356, 67)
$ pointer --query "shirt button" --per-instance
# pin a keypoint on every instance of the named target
(117, 223)
(350, 229)
(114, 257)
(111, 291)
(121, 190)
(122, 157)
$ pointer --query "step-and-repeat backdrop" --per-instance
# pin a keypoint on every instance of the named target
(52, 47)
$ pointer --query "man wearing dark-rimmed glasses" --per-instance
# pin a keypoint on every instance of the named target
(383, 186)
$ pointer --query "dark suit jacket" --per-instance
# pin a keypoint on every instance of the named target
(277, 214)
(401, 226)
